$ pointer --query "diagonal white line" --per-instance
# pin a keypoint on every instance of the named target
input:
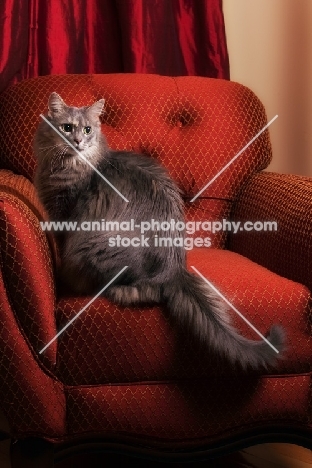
(83, 157)
(82, 310)
(233, 159)
(235, 310)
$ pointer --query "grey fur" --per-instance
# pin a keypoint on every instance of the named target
(70, 190)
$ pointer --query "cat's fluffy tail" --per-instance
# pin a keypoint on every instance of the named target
(194, 305)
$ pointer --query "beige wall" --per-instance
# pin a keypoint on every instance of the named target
(270, 49)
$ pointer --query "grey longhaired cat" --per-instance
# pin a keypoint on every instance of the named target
(71, 190)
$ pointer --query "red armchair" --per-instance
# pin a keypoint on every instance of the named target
(124, 378)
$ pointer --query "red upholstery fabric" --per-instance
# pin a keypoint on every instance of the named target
(27, 270)
(287, 251)
(194, 134)
(189, 413)
(33, 401)
(141, 345)
(128, 375)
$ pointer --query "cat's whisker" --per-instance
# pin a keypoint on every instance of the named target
(51, 146)
(58, 158)
(48, 149)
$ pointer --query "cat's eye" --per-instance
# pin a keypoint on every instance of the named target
(67, 128)
(87, 130)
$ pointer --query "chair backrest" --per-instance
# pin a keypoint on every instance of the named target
(192, 125)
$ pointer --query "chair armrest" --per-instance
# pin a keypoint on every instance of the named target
(23, 189)
(32, 401)
(287, 200)
(31, 398)
(26, 263)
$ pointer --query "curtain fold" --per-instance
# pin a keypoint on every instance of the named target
(168, 37)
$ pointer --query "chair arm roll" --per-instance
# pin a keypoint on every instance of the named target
(279, 207)
(27, 263)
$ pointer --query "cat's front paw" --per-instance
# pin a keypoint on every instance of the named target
(124, 295)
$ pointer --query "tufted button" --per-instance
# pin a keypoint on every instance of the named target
(186, 118)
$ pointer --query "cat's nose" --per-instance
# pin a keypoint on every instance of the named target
(77, 141)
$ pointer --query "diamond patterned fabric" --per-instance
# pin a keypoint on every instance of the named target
(26, 263)
(288, 251)
(194, 134)
(32, 400)
(189, 414)
(129, 374)
(141, 344)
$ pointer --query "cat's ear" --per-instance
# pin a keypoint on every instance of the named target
(56, 104)
(96, 109)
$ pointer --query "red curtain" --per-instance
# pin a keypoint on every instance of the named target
(169, 37)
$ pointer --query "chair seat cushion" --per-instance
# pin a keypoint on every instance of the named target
(113, 344)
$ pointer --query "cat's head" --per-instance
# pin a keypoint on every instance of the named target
(79, 125)
(73, 131)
